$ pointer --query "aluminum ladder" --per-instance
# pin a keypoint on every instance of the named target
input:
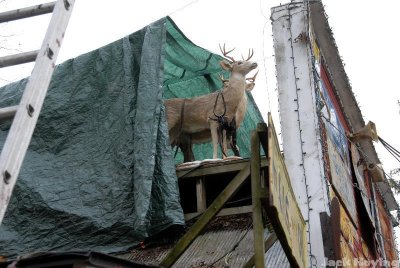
(27, 112)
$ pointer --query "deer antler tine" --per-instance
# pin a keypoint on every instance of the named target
(252, 79)
(221, 76)
(251, 53)
(225, 53)
(230, 50)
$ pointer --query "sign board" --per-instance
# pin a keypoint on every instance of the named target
(341, 179)
(359, 172)
(282, 207)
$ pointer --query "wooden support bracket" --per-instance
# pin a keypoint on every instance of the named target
(258, 224)
(188, 238)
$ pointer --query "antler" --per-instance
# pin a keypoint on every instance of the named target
(223, 79)
(226, 53)
(252, 79)
(251, 53)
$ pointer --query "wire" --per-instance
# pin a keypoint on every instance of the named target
(359, 148)
(183, 7)
(393, 151)
(300, 136)
(390, 146)
(264, 57)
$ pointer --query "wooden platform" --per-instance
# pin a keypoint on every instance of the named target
(200, 182)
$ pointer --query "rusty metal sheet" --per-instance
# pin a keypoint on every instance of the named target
(211, 248)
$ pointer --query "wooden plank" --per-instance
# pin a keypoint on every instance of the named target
(20, 133)
(19, 58)
(262, 130)
(269, 242)
(223, 212)
(216, 168)
(201, 194)
(187, 239)
(258, 224)
(335, 227)
(27, 12)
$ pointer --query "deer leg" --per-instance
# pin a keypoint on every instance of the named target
(214, 138)
(185, 144)
(224, 144)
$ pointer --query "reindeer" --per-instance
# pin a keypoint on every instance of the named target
(196, 119)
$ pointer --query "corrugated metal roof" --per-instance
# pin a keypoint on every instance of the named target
(221, 245)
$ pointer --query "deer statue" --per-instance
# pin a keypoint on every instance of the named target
(187, 140)
(198, 119)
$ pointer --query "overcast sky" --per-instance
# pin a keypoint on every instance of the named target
(366, 33)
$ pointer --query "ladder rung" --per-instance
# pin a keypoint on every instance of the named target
(27, 12)
(7, 113)
(20, 58)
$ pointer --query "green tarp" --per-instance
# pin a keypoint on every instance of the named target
(99, 173)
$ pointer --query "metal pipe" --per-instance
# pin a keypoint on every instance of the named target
(20, 58)
(27, 12)
(8, 113)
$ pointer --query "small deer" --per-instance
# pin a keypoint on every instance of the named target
(195, 120)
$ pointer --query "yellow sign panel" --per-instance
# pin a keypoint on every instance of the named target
(283, 200)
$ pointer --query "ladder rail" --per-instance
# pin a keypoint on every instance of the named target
(28, 111)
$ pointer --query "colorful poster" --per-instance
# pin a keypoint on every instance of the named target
(341, 179)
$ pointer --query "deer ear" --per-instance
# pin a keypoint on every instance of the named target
(249, 87)
(225, 65)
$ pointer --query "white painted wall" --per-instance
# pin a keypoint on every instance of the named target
(299, 122)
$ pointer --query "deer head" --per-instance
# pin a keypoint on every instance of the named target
(242, 67)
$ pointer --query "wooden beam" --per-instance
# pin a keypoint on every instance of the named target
(258, 224)
(223, 212)
(262, 130)
(267, 245)
(216, 168)
(187, 239)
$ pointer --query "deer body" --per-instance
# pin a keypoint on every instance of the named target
(195, 117)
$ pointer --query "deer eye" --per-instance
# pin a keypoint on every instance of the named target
(240, 62)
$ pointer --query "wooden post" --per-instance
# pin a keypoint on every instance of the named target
(267, 245)
(187, 239)
(258, 224)
(201, 194)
